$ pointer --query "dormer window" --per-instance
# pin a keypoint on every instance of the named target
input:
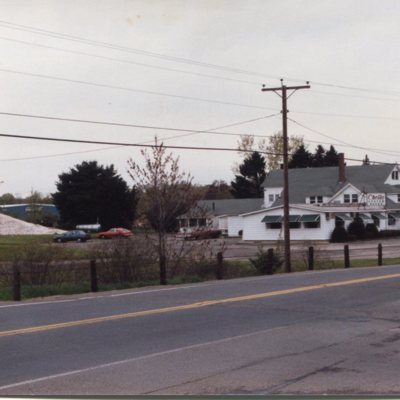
(395, 175)
(353, 198)
(316, 199)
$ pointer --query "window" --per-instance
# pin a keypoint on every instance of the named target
(354, 198)
(294, 225)
(312, 199)
(274, 225)
(398, 198)
(319, 199)
(277, 196)
(315, 224)
(395, 175)
(391, 220)
(346, 198)
(271, 198)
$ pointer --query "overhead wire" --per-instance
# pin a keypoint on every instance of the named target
(130, 125)
(64, 36)
(386, 152)
(149, 92)
(158, 67)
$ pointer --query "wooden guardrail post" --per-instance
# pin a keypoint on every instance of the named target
(310, 258)
(220, 266)
(16, 283)
(270, 262)
(346, 256)
(93, 276)
(380, 255)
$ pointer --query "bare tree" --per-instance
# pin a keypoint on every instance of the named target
(166, 193)
(273, 147)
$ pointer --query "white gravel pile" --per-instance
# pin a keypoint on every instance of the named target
(13, 226)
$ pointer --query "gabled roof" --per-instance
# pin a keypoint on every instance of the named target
(304, 182)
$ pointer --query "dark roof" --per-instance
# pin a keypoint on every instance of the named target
(304, 182)
(226, 207)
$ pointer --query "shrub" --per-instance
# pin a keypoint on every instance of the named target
(339, 235)
(263, 264)
(357, 228)
(372, 230)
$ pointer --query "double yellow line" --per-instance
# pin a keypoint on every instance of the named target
(201, 304)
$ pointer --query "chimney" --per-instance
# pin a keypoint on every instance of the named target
(342, 168)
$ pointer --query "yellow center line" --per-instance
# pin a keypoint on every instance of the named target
(191, 306)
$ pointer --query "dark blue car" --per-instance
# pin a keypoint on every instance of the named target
(72, 236)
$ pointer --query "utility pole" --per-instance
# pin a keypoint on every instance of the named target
(286, 225)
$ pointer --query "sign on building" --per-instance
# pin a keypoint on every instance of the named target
(376, 199)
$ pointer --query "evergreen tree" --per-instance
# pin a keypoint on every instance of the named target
(331, 158)
(301, 158)
(318, 157)
(91, 193)
(252, 175)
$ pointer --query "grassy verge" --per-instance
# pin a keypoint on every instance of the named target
(12, 245)
(232, 269)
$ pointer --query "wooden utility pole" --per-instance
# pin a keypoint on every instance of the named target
(286, 227)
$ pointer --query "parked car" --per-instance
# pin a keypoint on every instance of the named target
(115, 233)
(71, 236)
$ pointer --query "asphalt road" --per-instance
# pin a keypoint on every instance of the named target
(304, 333)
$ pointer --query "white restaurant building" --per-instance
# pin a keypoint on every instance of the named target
(320, 198)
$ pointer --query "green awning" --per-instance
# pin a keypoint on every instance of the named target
(310, 218)
(272, 219)
(344, 217)
(394, 215)
(294, 218)
(366, 218)
(379, 215)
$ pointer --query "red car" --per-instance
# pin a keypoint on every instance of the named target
(115, 233)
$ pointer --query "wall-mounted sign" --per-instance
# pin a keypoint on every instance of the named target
(376, 199)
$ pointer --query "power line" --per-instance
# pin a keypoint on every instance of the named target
(130, 62)
(126, 125)
(133, 89)
(187, 130)
(253, 83)
(50, 77)
(375, 150)
(81, 141)
(63, 36)
(142, 126)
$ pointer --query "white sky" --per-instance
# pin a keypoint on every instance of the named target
(345, 43)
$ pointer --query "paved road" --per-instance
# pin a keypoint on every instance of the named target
(312, 332)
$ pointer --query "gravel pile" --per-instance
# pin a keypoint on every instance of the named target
(13, 226)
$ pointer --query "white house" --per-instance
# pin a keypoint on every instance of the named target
(320, 198)
(221, 214)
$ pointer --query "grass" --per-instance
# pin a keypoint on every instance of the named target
(12, 245)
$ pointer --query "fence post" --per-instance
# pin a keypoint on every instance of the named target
(16, 283)
(220, 265)
(310, 258)
(93, 276)
(163, 270)
(270, 262)
(346, 256)
(380, 258)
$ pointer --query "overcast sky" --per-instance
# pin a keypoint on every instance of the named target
(139, 61)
